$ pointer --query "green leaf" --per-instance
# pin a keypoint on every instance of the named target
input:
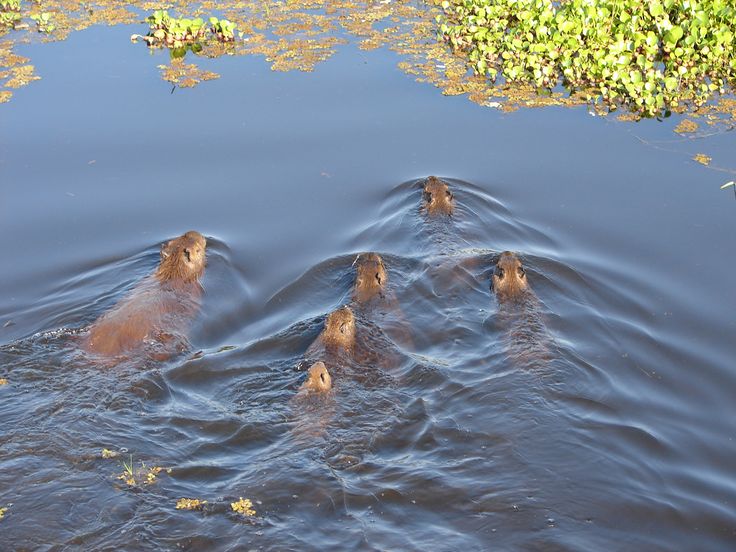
(672, 36)
(670, 83)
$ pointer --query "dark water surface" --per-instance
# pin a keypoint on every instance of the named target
(601, 420)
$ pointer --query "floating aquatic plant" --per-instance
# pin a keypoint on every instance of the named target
(107, 454)
(702, 158)
(2, 511)
(3, 381)
(190, 504)
(43, 22)
(9, 5)
(173, 32)
(9, 13)
(649, 55)
(243, 506)
(132, 475)
(177, 33)
(223, 29)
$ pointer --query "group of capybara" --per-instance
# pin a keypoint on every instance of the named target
(153, 319)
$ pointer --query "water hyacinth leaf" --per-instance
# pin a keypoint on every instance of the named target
(670, 83)
(669, 54)
(672, 36)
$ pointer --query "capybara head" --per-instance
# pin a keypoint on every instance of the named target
(370, 277)
(340, 329)
(438, 198)
(318, 378)
(509, 276)
(183, 258)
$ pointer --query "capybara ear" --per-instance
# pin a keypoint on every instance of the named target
(166, 250)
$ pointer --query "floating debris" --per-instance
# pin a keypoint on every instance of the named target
(107, 453)
(687, 126)
(21, 76)
(185, 75)
(3, 381)
(243, 506)
(143, 474)
(3, 510)
(703, 159)
(190, 504)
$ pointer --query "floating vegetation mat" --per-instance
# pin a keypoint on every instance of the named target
(300, 34)
(243, 507)
(135, 474)
(190, 504)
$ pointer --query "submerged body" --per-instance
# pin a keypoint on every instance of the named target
(437, 197)
(373, 300)
(157, 313)
(527, 339)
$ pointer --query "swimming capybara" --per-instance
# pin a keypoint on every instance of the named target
(438, 199)
(338, 334)
(318, 378)
(509, 278)
(370, 278)
(158, 311)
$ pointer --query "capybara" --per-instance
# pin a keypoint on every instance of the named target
(156, 314)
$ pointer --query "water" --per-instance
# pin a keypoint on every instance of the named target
(618, 435)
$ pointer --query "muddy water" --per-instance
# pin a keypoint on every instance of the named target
(599, 418)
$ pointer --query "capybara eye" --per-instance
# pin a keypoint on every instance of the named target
(500, 273)
(522, 272)
(449, 194)
(187, 255)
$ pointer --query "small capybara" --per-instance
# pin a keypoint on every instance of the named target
(370, 278)
(438, 199)
(509, 278)
(318, 378)
(338, 334)
(156, 315)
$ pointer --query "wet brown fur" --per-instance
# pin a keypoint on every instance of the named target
(509, 277)
(438, 199)
(182, 259)
(318, 378)
(338, 335)
(159, 309)
(339, 331)
(370, 278)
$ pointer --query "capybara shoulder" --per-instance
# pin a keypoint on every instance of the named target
(159, 309)
(438, 199)
(370, 277)
(509, 277)
(318, 378)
